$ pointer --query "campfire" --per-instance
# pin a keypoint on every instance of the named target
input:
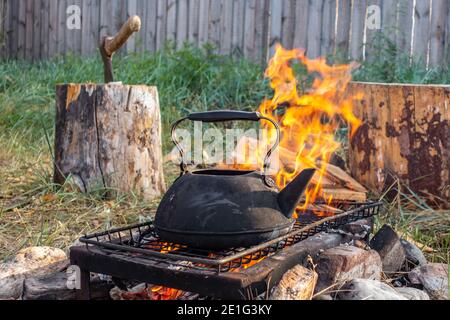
(304, 120)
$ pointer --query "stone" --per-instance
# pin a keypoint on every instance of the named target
(29, 262)
(367, 289)
(363, 226)
(434, 278)
(323, 297)
(414, 256)
(343, 263)
(296, 284)
(412, 293)
(54, 287)
(387, 243)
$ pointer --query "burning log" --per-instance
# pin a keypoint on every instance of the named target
(108, 136)
(335, 182)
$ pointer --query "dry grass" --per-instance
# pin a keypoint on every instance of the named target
(33, 212)
(415, 220)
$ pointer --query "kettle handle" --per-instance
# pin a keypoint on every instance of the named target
(221, 116)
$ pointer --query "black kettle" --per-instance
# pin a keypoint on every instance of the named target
(218, 209)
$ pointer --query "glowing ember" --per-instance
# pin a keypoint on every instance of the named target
(308, 119)
(164, 293)
(153, 293)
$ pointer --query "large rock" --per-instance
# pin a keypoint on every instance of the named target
(366, 289)
(414, 256)
(361, 227)
(434, 278)
(387, 243)
(296, 284)
(412, 293)
(345, 263)
(29, 262)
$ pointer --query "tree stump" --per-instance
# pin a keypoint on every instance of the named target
(405, 135)
(108, 136)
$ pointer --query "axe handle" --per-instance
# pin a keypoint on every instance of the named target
(112, 44)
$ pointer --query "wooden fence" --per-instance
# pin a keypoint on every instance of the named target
(37, 29)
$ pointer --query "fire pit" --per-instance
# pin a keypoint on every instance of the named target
(136, 253)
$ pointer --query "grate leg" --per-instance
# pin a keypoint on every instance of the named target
(85, 286)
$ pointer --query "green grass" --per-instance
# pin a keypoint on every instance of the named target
(188, 80)
(391, 66)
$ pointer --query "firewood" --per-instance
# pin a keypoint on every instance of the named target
(297, 284)
(109, 137)
(333, 178)
(342, 178)
(345, 194)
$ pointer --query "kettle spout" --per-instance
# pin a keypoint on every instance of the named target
(288, 198)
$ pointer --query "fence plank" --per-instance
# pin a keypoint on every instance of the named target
(226, 26)
(249, 34)
(262, 12)
(171, 20)
(182, 22)
(214, 23)
(288, 24)
(120, 16)
(372, 35)
(95, 26)
(328, 27)
(194, 13)
(161, 24)
(19, 24)
(70, 33)
(2, 29)
(447, 41)
(77, 32)
(343, 28)
(150, 30)
(421, 29)
(275, 24)
(438, 34)
(143, 11)
(13, 27)
(301, 24)
(106, 18)
(389, 19)
(203, 22)
(314, 28)
(53, 28)
(73, 35)
(29, 30)
(405, 26)
(86, 41)
(238, 28)
(36, 46)
(132, 7)
(8, 18)
(357, 31)
(61, 31)
(45, 29)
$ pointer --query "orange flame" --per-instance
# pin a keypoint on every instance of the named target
(308, 119)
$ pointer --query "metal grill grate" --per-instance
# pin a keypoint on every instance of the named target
(141, 240)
